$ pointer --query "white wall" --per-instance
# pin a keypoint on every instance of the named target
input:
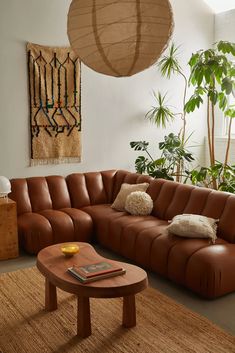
(113, 109)
(225, 26)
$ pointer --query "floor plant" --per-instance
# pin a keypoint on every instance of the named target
(212, 74)
(213, 78)
(175, 157)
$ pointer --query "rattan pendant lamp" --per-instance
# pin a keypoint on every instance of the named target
(119, 37)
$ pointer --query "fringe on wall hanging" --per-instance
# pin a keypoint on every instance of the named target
(54, 76)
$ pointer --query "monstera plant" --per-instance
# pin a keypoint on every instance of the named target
(173, 152)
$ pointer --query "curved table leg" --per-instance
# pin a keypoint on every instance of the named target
(129, 311)
(50, 296)
(83, 317)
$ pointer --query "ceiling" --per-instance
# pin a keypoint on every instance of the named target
(221, 5)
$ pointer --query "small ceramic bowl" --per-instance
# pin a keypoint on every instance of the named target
(69, 249)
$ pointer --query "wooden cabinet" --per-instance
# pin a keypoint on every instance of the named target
(8, 229)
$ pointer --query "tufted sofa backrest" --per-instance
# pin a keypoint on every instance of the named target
(76, 190)
(90, 188)
(40, 193)
(99, 187)
(171, 198)
(127, 177)
(55, 192)
(83, 189)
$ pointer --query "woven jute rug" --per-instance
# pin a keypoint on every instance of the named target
(162, 324)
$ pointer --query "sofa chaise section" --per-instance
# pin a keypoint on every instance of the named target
(195, 263)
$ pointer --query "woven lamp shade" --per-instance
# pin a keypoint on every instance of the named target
(122, 37)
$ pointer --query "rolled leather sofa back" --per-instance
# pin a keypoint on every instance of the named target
(123, 176)
(40, 193)
(77, 190)
(99, 187)
(83, 189)
(56, 192)
(171, 198)
(90, 188)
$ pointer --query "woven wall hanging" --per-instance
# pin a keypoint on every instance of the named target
(55, 104)
(122, 37)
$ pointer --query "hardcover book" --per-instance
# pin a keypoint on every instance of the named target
(96, 271)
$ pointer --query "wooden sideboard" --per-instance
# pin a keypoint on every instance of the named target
(8, 229)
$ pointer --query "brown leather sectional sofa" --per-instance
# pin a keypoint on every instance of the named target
(55, 209)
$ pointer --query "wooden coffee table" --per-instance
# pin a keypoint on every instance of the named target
(53, 265)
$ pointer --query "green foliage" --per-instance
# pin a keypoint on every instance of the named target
(224, 175)
(161, 113)
(226, 47)
(169, 64)
(212, 75)
(173, 155)
(195, 101)
(139, 145)
(173, 150)
(230, 113)
(223, 101)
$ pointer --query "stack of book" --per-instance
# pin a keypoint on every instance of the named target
(96, 271)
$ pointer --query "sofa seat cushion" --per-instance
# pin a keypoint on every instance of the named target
(128, 235)
(125, 234)
(82, 222)
(101, 215)
(179, 259)
(62, 225)
(102, 211)
(35, 232)
(210, 270)
(180, 254)
(144, 240)
(69, 224)
(38, 230)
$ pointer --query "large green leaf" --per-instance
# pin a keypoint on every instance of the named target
(227, 85)
(230, 113)
(226, 47)
(141, 164)
(194, 102)
(222, 101)
(139, 145)
(213, 95)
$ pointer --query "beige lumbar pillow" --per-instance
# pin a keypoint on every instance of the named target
(126, 189)
(193, 226)
(139, 203)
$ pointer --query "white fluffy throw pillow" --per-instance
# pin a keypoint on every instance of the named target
(139, 203)
(193, 226)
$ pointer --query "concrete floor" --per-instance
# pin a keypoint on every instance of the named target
(220, 311)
